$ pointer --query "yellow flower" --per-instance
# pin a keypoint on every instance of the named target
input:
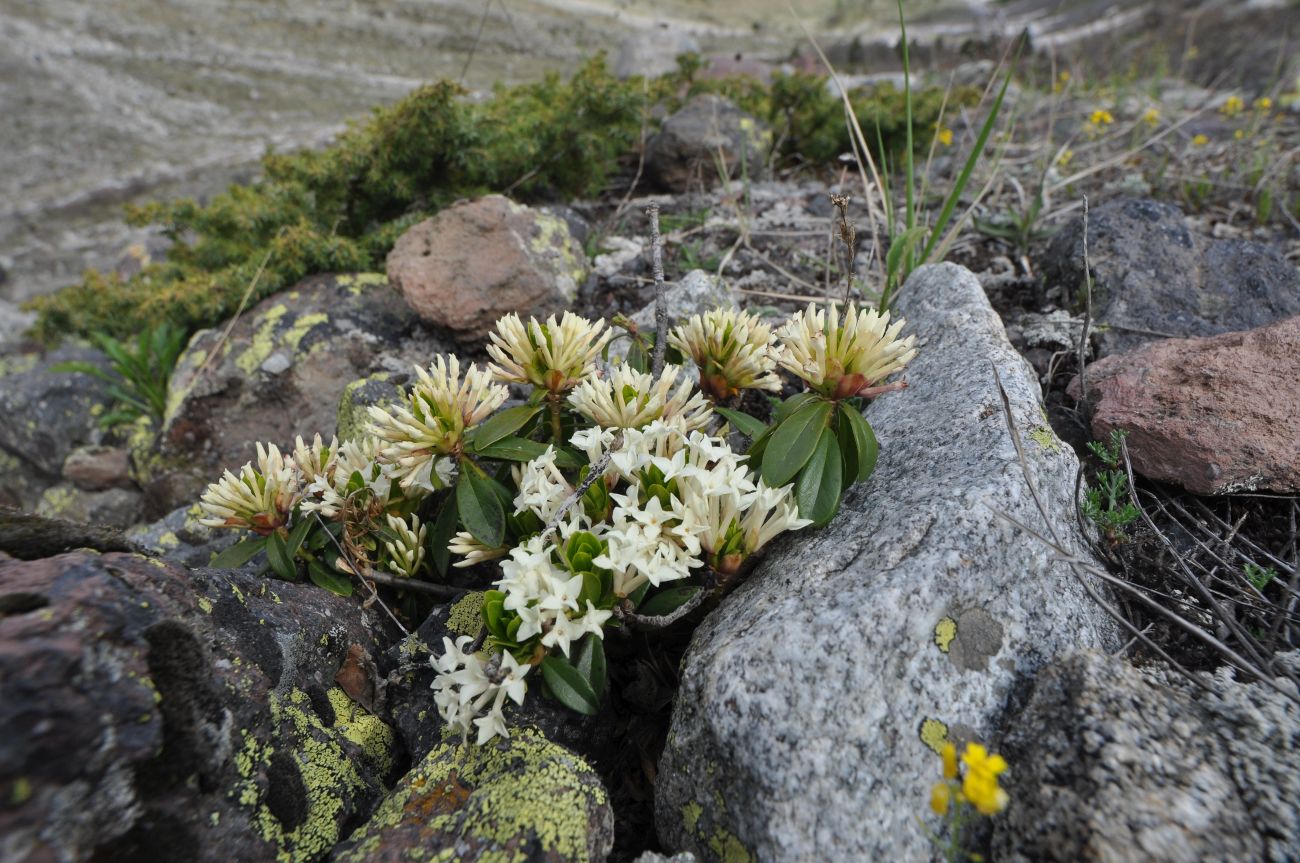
(1232, 106)
(1061, 80)
(1151, 117)
(940, 798)
(1263, 103)
(1101, 117)
(949, 755)
(1200, 141)
(980, 785)
(1065, 158)
(1239, 134)
(945, 136)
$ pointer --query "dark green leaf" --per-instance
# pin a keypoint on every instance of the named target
(590, 662)
(817, 492)
(744, 423)
(637, 595)
(667, 601)
(326, 537)
(569, 686)
(277, 554)
(513, 449)
(858, 445)
(444, 528)
(793, 441)
(334, 582)
(786, 409)
(501, 425)
(298, 534)
(238, 554)
(479, 506)
(493, 609)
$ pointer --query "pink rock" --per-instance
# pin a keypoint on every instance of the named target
(94, 468)
(478, 260)
(1215, 415)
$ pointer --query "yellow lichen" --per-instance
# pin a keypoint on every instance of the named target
(944, 632)
(356, 283)
(466, 616)
(1045, 438)
(934, 734)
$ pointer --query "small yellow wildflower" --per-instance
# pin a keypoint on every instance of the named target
(945, 136)
(1065, 158)
(1200, 140)
(1101, 117)
(940, 798)
(1263, 103)
(980, 785)
(1151, 116)
(949, 755)
(1232, 106)
(1240, 134)
(1061, 80)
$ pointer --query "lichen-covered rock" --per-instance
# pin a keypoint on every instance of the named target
(1215, 415)
(1153, 278)
(155, 713)
(381, 388)
(279, 374)
(814, 698)
(1113, 764)
(707, 138)
(478, 260)
(44, 415)
(524, 800)
(180, 538)
(112, 507)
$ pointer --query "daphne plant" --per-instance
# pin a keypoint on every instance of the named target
(610, 497)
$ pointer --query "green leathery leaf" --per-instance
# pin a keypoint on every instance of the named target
(238, 554)
(590, 662)
(747, 425)
(793, 442)
(444, 528)
(277, 554)
(298, 534)
(862, 440)
(667, 601)
(501, 426)
(334, 582)
(817, 491)
(569, 686)
(479, 506)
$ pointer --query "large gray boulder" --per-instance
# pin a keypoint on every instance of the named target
(812, 699)
(1111, 764)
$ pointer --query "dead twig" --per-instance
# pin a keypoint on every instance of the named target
(661, 301)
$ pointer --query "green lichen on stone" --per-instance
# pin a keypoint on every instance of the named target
(17, 364)
(691, 813)
(553, 237)
(262, 343)
(944, 632)
(352, 416)
(492, 796)
(57, 501)
(729, 849)
(724, 844)
(1045, 438)
(357, 283)
(20, 791)
(466, 616)
(933, 734)
(327, 771)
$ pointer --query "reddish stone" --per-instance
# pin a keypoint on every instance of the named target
(95, 468)
(1215, 415)
(479, 260)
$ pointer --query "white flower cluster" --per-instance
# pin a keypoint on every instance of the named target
(471, 692)
(681, 500)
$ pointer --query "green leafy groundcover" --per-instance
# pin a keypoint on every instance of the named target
(341, 208)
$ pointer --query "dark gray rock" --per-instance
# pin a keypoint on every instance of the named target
(156, 713)
(381, 388)
(1111, 763)
(684, 154)
(333, 329)
(113, 507)
(28, 536)
(180, 538)
(1153, 278)
(44, 415)
(812, 697)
